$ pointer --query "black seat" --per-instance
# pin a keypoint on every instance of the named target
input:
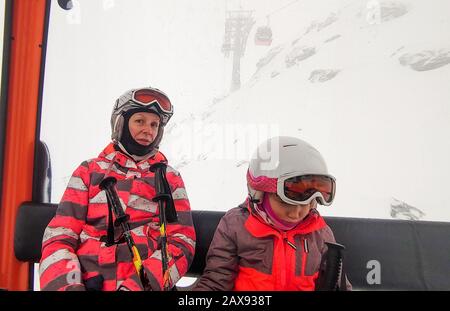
(409, 255)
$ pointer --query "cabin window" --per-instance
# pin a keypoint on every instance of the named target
(367, 85)
(372, 100)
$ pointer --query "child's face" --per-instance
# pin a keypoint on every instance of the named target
(289, 212)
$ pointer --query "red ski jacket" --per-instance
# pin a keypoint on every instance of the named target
(248, 254)
(72, 249)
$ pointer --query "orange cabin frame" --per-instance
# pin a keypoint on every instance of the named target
(26, 25)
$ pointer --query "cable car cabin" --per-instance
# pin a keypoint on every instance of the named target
(263, 36)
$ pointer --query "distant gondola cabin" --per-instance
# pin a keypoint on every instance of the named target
(263, 36)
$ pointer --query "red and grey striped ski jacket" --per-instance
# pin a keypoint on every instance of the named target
(72, 250)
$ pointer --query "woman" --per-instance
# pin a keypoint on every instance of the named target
(276, 239)
(76, 250)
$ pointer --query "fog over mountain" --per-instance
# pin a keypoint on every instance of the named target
(366, 83)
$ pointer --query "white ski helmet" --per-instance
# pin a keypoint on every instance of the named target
(291, 168)
(145, 99)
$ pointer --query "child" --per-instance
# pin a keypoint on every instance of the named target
(276, 239)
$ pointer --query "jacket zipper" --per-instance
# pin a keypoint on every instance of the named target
(305, 252)
(288, 262)
(283, 270)
(290, 244)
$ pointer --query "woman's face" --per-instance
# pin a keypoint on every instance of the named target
(289, 212)
(144, 127)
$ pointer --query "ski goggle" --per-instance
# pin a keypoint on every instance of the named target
(304, 188)
(151, 96)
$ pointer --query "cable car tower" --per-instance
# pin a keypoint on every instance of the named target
(238, 24)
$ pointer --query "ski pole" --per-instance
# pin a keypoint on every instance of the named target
(167, 213)
(328, 280)
(107, 185)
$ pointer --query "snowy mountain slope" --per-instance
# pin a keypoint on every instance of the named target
(368, 87)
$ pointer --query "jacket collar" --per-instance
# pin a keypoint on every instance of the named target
(258, 228)
(110, 153)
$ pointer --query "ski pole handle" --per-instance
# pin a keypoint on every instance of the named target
(328, 280)
(107, 185)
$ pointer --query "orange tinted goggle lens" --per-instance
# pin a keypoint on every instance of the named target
(146, 96)
(301, 188)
